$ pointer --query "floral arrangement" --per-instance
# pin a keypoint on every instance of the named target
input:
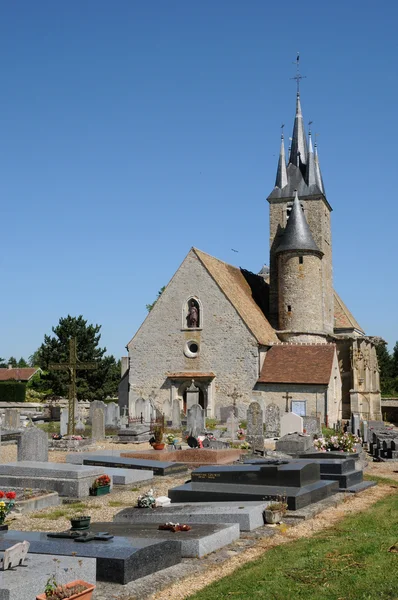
(241, 434)
(146, 500)
(6, 507)
(244, 446)
(174, 527)
(277, 507)
(171, 438)
(56, 436)
(101, 481)
(158, 434)
(76, 437)
(338, 442)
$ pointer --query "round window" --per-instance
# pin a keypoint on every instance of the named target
(191, 349)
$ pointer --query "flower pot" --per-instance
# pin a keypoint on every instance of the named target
(100, 491)
(273, 516)
(80, 522)
(157, 446)
(86, 594)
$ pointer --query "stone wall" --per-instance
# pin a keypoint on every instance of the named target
(226, 346)
(314, 396)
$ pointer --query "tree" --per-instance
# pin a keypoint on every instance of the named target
(22, 364)
(91, 384)
(13, 362)
(388, 371)
(3, 363)
(149, 307)
(34, 359)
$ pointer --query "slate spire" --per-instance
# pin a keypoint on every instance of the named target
(297, 235)
(311, 171)
(298, 151)
(281, 174)
(318, 174)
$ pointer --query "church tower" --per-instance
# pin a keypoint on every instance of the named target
(299, 194)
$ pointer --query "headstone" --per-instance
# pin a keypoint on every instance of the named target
(14, 556)
(272, 421)
(12, 418)
(96, 404)
(364, 432)
(291, 423)
(64, 421)
(196, 420)
(98, 424)
(124, 419)
(312, 425)
(225, 411)
(192, 394)
(255, 427)
(355, 426)
(33, 445)
(232, 426)
(143, 409)
(112, 415)
(294, 443)
(176, 414)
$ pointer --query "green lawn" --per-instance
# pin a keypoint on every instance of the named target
(349, 561)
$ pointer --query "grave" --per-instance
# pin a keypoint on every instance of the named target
(64, 418)
(29, 580)
(312, 425)
(12, 419)
(68, 480)
(158, 467)
(232, 426)
(119, 476)
(112, 415)
(255, 427)
(192, 396)
(136, 434)
(192, 456)
(195, 420)
(383, 442)
(95, 404)
(291, 423)
(98, 424)
(32, 445)
(176, 414)
(272, 421)
(355, 424)
(225, 411)
(76, 458)
(199, 541)
(297, 480)
(294, 443)
(248, 515)
(120, 559)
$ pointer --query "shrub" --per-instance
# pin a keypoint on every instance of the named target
(12, 391)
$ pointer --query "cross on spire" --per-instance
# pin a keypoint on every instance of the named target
(298, 75)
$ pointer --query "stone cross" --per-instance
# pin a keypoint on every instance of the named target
(287, 397)
(72, 366)
(235, 395)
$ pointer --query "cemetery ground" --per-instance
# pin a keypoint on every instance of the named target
(342, 553)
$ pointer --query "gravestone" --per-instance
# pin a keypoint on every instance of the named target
(112, 415)
(176, 414)
(124, 419)
(294, 443)
(312, 425)
(98, 424)
(192, 394)
(232, 426)
(12, 418)
(14, 556)
(291, 423)
(364, 431)
(96, 404)
(255, 428)
(272, 421)
(196, 420)
(225, 411)
(355, 426)
(33, 445)
(143, 410)
(64, 421)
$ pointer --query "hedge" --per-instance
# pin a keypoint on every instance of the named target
(12, 391)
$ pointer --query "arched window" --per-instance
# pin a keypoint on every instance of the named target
(192, 314)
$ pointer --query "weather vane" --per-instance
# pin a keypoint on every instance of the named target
(298, 75)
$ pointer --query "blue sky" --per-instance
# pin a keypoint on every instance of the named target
(131, 131)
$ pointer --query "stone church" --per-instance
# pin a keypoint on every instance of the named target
(282, 337)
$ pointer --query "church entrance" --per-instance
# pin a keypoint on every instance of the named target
(202, 402)
(202, 396)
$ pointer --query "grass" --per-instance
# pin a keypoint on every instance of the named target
(349, 561)
(53, 515)
(116, 503)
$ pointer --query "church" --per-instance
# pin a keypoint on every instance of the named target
(282, 337)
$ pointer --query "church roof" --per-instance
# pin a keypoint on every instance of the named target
(237, 290)
(297, 363)
(343, 318)
(297, 234)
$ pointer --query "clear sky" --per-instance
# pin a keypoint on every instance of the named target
(133, 130)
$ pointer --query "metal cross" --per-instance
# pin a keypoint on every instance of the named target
(298, 76)
(288, 397)
(72, 366)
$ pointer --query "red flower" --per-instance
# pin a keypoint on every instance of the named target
(11, 495)
(2, 494)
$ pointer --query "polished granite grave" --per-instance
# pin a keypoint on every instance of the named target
(248, 515)
(189, 456)
(158, 467)
(199, 541)
(121, 559)
(298, 481)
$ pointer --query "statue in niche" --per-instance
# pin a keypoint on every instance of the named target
(193, 314)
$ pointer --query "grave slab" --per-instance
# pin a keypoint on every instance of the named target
(191, 456)
(27, 581)
(199, 541)
(294, 443)
(248, 515)
(120, 559)
(128, 476)
(76, 458)
(67, 480)
(158, 467)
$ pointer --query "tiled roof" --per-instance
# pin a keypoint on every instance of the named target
(343, 319)
(17, 374)
(306, 364)
(238, 291)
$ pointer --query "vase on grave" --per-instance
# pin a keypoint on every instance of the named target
(82, 522)
(84, 591)
(157, 446)
(100, 491)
